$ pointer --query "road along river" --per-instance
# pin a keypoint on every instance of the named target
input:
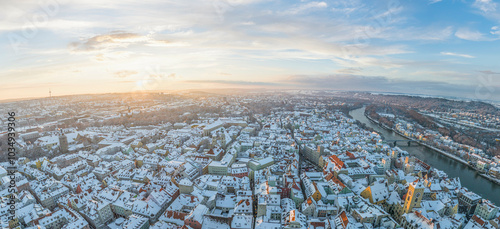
(468, 177)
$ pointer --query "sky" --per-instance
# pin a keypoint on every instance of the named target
(433, 47)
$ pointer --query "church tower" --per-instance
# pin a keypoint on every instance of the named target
(414, 195)
(63, 143)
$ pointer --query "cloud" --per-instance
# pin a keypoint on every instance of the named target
(306, 7)
(443, 75)
(488, 9)
(165, 43)
(489, 72)
(353, 82)
(457, 54)
(471, 35)
(106, 41)
(348, 70)
(235, 82)
(485, 5)
(270, 35)
(124, 73)
(431, 33)
(241, 37)
(495, 30)
(434, 1)
(348, 82)
(388, 15)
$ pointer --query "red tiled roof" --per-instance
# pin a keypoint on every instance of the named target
(478, 220)
(344, 218)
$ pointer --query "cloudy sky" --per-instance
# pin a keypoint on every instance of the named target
(435, 47)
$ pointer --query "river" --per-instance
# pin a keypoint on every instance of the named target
(468, 177)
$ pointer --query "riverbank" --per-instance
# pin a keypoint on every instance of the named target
(379, 124)
(469, 178)
(447, 154)
(419, 142)
(494, 180)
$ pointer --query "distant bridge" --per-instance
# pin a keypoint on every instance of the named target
(402, 142)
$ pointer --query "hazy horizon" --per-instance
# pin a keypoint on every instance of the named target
(247, 91)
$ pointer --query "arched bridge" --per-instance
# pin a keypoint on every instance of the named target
(402, 142)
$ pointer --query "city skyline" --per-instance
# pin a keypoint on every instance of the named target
(444, 48)
(258, 160)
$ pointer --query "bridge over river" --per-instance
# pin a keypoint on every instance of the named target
(468, 177)
(402, 142)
